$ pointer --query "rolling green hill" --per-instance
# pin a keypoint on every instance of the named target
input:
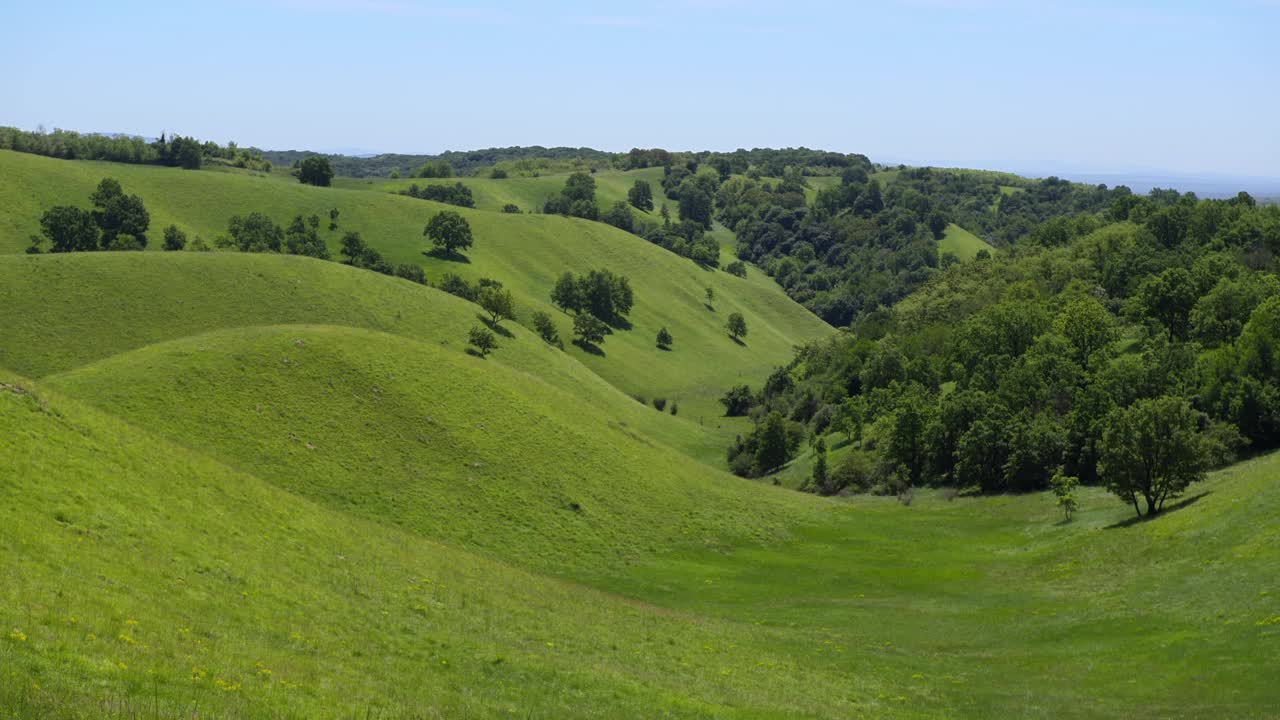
(431, 440)
(525, 252)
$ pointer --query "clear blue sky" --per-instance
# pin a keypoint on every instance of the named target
(1096, 86)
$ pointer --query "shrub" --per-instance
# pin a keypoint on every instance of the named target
(546, 329)
(675, 407)
(664, 339)
(511, 209)
(413, 273)
(660, 404)
(736, 268)
(174, 239)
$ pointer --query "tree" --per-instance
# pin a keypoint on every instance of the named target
(619, 216)
(664, 339)
(1169, 297)
(710, 294)
(695, 203)
(174, 239)
(737, 326)
(1064, 487)
(589, 329)
(118, 214)
(737, 402)
(69, 229)
(641, 196)
(736, 268)
(1087, 325)
(565, 294)
(302, 238)
(482, 340)
(771, 449)
(412, 273)
(820, 479)
(353, 248)
(1152, 449)
(546, 328)
(449, 232)
(315, 170)
(255, 233)
(498, 303)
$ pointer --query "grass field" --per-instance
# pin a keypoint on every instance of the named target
(525, 252)
(962, 243)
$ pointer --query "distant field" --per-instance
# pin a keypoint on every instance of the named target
(962, 243)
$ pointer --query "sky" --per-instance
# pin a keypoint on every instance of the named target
(1189, 87)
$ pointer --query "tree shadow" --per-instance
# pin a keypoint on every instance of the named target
(665, 348)
(476, 353)
(495, 327)
(737, 340)
(589, 348)
(620, 323)
(709, 306)
(442, 254)
(1183, 503)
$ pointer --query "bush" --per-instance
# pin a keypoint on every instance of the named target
(675, 407)
(511, 209)
(174, 239)
(736, 268)
(498, 174)
(413, 273)
(315, 170)
(660, 404)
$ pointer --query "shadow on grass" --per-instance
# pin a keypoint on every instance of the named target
(589, 348)
(495, 327)
(665, 348)
(709, 306)
(1183, 503)
(737, 340)
(620, 323)
(441, 254)
(476, 353)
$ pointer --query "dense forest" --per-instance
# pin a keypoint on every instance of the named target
(1119, 320)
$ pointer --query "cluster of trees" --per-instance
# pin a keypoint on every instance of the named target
(463, 163)
(116, 222)
(1131, 347)
(577, 198)
(599, 301)
(455, 194)
(175, 151)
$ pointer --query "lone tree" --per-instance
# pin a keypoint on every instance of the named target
(482, 340)
(664, 339)
(737, 401)
(315, 170)
(821, 479)
(449, 232)
(737, 326)
(498, 303)
(588, 328)
(1064, 487)
(1152, 449)
(711, 294)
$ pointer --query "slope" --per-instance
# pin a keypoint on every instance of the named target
(64, 311)
(434, 441)
(142, 579)
(525, 252)
(962, 243)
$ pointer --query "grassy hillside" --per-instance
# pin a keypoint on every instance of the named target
(525, 252)
(962, 243)
(144, 580)
(65, 311)
(433, 441)
(147, 579)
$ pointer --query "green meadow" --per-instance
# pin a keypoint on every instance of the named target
(267, 486)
